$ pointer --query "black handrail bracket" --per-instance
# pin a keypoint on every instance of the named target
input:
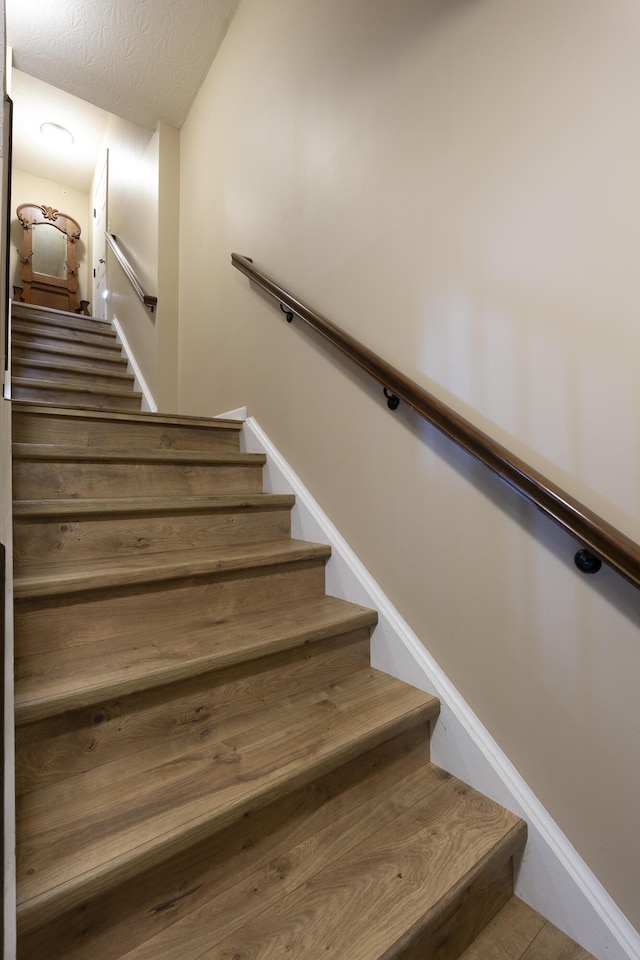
(602, 541)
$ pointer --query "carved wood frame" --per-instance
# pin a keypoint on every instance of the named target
(38, 287)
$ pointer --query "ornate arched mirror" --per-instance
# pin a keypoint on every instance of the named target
(48, 262)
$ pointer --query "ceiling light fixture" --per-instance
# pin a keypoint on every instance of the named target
(56, 134)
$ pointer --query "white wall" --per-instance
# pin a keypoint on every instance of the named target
(456, 185)
(27, 188)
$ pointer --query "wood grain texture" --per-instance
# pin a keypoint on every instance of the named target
(462, 913)
(141, 416)
(27, 313)
(518, 932)
(241, 868)
(146, 506)
(46, 391)
(151, 613)
(315, 841)
(72, 372)
(68, 322)
(45, 474)
(165, 804)
(109, 730)
(612, 546)
(152, 525)
(22, 348)
(64, 453)
(178, 565)
(41, 333)
(51, 682)
(34, 424)
(361, 905)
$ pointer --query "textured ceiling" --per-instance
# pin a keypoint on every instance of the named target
(143, 60)
(35, 103)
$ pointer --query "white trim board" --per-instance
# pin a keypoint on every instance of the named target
(552, 878)
(240, 413)
(148, 403)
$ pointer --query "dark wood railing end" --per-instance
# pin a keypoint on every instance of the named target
(149, 301)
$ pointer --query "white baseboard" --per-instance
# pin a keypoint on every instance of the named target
(552, 878)
(240, 413)
(148, 403)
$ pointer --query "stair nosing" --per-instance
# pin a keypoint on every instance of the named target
(502, 849)
(102, 328)
(36, 335)
(22, 306)
(107, 332)
(29, 314)
(55, 351)
(149, 506)
(69, 893)
(34, 586)
(71, 387)
(82, 368)
(64, 452)
(139, 416)
(28, 710)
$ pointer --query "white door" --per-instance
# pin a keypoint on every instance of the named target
(99, 306)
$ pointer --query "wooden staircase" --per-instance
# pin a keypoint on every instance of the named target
(207, 766)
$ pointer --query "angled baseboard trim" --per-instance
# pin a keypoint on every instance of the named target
(148, 403)
(239, 413)
(552, 877)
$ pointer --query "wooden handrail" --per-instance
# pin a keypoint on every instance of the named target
(598, 536)
(146, 298)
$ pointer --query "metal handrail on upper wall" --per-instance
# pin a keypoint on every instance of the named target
(149, 301)
(602, 541)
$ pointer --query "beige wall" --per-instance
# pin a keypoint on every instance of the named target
(456, 184)
(27, 188)
(144, 170)
(168, 253)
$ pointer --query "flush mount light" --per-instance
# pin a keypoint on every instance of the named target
(54, 133)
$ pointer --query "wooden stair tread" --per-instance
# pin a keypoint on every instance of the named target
(250, 866)
(47, 684)
(80, 407)
(103, 390)
(98, 328)
(57, 452)
(37, 332)
(68, 350)
(64, 318)
(195, 715)
(71, 368)
(40, 582)
(518, 932)
(141, 416)
(82, 841)
(113, 506)
(78, 324)
(358, 898)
